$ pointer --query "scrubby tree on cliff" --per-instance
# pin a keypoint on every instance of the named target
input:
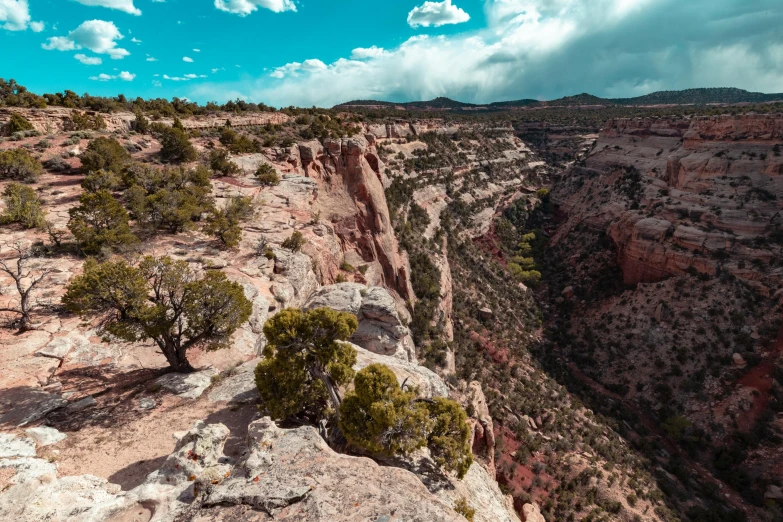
(20, 165)
(27, 274)
(22, 206)
(100, 222)
(382, 418)
(306, 362)
(105, 154)
(160, 299)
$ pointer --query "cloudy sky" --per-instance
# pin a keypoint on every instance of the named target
(319, 52)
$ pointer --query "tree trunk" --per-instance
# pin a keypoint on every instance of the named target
(335, 436)
(175, 357)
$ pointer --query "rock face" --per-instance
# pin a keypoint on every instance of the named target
(428, 382)
(682, 194)
(354, 201)
(284, 475)
(381, 329)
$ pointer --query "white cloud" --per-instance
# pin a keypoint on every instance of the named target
(124, 75)
(184, 77)
(187, 59)
(121, 5)
(151, 59)
(15, 16)
(546, 49)
(294, 68)
(362, 53)
(196, 50)
(245, 7)
(216, 69)
(436, 14)
(135, 40)
(88, 60)
(98, 36)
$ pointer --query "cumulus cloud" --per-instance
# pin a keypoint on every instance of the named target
(436, 14)
(124, 75)
(547, 49)
(120, 5)
(245, 7)
(294, 68)
(187, 59)
(88, 60)
(98, 36)
(184, 77)
(362, 53)
(15, 16)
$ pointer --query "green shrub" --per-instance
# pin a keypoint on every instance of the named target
(83, 121)
(211, 307)
(221, 164)
(23, 206)
(238, 143)
(267, 176)
(462, 507)
(18, 123)
(224, 223)
(101, 180)
(20, 165)
(105, 154)
(295, 242)
(384, 419)
(173, 198)
(305, 362)
(100, 222)
(141, 124)
(176, 146)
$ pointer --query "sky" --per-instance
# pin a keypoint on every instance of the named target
(319, 52)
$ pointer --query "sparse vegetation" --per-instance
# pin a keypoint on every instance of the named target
(267, 175)
(305, 363)
(162, 300)
(105, 154)
(19, 165)
(224, 223)
(22, 206)
(99, 223)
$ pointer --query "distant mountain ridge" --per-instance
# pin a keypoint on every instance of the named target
(702, 96)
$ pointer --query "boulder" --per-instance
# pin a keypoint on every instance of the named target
(430, 384)
(532, 513)
(297, 471)
(238, 387)
(45, 436)
(187, 385)
(13, 446)
(381, 330)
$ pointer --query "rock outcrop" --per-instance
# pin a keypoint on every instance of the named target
(284, 474)
(682, 194)
(381, 329)
(353, 200)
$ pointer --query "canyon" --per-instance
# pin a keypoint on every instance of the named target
(638, 380)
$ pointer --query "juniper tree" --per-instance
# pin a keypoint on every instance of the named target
(306, 362)
(162, 300)
(100, 222)
(104, 154)
(22, 206)
(383, 418)
(27, 274)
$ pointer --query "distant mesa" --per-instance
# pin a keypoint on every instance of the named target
(705, 96)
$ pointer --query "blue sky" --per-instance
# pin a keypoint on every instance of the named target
(315, 52)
